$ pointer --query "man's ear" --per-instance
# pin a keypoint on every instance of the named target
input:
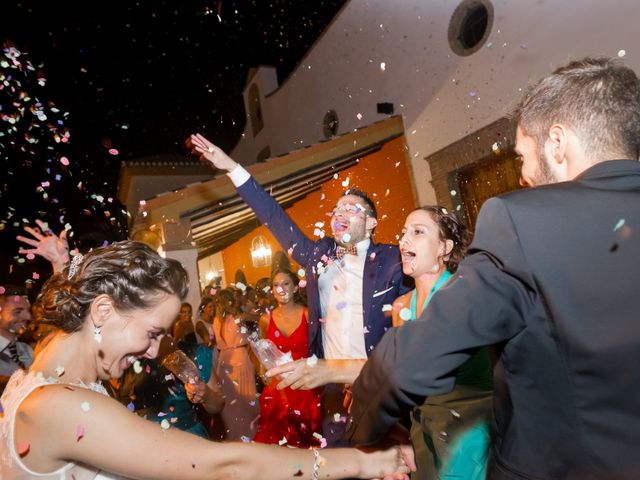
(101, 310)
(558, 143)
(370, 223)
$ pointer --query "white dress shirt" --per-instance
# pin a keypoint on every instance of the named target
(340, 292)
(341, 306)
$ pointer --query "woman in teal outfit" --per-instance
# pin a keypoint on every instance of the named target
(450, 433)
(155, 394)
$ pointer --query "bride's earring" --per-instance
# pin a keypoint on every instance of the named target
(97, 336)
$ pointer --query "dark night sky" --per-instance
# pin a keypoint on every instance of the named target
(138, 76)
(160, 68)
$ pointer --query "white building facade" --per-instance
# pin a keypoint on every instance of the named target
(400, 53)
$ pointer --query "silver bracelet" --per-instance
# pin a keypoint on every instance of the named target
(315, 475)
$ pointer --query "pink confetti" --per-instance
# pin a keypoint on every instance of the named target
(35, 275)
(30, 256)
(302, 284)
(2, 290)
(64, 161)
(23, 448)
(79, 432)
(113, 151)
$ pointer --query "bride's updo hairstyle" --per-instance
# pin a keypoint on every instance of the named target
(131, 273)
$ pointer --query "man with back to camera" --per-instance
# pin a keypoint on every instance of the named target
(347, 293)
(552, 278)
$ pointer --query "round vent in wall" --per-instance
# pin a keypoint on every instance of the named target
(470, 26)
(330, 124)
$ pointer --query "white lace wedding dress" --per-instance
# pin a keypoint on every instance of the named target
(20, 385)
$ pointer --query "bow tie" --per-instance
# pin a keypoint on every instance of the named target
(349, 249)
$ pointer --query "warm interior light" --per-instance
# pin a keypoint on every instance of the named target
(260, 252)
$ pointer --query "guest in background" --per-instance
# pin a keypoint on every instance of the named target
(184, 329)
(235, 368)
(204, 324)
(15, 312)
(286, 415)
(155, 394)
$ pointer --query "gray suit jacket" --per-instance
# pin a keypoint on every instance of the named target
(552, 278)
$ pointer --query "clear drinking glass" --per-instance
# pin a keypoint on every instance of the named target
(269, 355)
(181, 366)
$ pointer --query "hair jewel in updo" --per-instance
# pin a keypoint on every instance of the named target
(75, 264)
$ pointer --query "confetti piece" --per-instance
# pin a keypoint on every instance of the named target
(283, 441)
(85, 406)
(113, 151)
(137, 366)
(23, 448)
(340, 305)
(619, 224)
(383, 66)
(64, 161)
(302, 284)
(164, 424)
(387, 307)
(131, 407)
(312, 361)
(79, 432)
(345, 238)
(345, 183)
(241, 286)
(59, 370)
(622, 53)
(405, 314)
(359, 116)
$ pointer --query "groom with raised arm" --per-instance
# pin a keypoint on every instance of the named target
(349, 277)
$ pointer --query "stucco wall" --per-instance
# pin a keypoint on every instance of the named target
(442, 97)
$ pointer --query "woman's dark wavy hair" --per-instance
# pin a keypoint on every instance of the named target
(450, 228)
(297, 296)
(227, 303)
(131, 273)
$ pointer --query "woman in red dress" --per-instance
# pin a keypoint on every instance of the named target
(288, 417)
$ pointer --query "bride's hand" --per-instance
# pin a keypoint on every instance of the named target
(392, 464)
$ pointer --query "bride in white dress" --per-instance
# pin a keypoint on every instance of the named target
(113, 307)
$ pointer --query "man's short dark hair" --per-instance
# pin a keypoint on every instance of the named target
(373, 211)
(598, 98)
